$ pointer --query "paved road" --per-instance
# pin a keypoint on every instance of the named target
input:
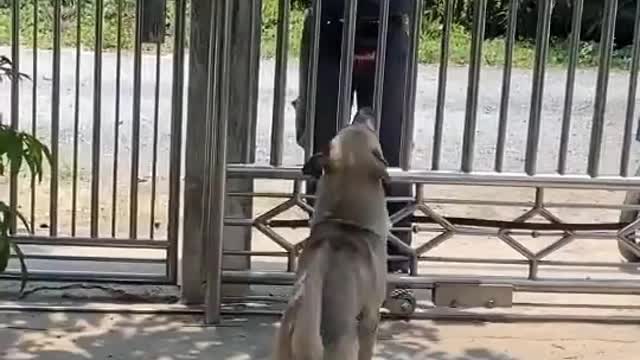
(488, 111)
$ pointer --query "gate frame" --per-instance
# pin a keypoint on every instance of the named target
(216, 276)
(201, 133)
(171, 244)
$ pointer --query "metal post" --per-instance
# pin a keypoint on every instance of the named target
(574, 46)
(280, 84)
(97, 121)
(135, 131)
(312, 78)
(154, 146)
(116, 123)
(76, 114)
(55, 118)
(15, 103)
(245, 30)
(176, 140)
(631, 98)
(34, 106)
(442, 84)
(381, 55)
(345, 89)
(539, 69)
(408, 118)
(506, 85)
(192, 245)
(477, 38)
(606, 48)
(213, 296)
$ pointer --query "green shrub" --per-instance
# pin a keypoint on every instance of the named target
(16, 148)
(430, 37)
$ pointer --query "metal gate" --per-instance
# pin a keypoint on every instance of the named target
(516, 145)
(476, 140)
(105, 92)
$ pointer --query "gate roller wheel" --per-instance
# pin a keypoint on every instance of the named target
(401, 302)
(632, 198)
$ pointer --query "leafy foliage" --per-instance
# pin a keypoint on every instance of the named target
(6, 70)
(16, 149)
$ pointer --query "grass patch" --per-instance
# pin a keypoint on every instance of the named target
(429, 50)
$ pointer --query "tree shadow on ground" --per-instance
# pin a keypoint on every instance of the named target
(66, 336)
(111, 336)
(400, 340)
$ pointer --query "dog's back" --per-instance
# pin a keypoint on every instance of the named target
(342, 271)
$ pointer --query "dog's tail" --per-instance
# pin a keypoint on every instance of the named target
(299, 336)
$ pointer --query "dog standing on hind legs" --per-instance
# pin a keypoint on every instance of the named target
(340, 283)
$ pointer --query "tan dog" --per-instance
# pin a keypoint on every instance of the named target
(341, 279)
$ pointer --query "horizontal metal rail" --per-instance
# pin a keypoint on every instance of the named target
(434, 314)
(457, 178)
(87, 242)
(618, 287)
(94, 259)
(102, 277)
(453, 201)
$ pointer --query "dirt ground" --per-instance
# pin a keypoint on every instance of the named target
(60, 336)
(68, 336)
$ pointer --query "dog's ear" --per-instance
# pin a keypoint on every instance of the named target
(366, 117)
(380, 169)
(315, 166)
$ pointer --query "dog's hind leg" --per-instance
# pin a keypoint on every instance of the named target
(367, 334)
(345, 347)
(340, 309)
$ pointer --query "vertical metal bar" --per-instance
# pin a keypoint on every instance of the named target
(506, 85)
(533, 261)
(631, 98)
(477, 38)
(214, 275)
(15, 103)
(55, 118)
(253, 79)
(574, 45)
(447, 20)
(280, 84)
(600, 102)
(539, 198)
(533, 269)
(97, 121)
(196, 153)
(76, 121)
(154, 156)
(345, 89)
(408, 118)
(211, 109)
(135, 133)
(312, 77)
(381, 56)
(34, 104)
(116, 123)
(176, 140)
(537, 91)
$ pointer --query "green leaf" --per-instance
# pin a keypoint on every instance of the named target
(24, 273)
(17, 148)
(6, 244)
(5, 253)
(7, 213)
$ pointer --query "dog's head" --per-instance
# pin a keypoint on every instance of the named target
(355, 150)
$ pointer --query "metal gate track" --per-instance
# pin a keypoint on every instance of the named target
(437, 314)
